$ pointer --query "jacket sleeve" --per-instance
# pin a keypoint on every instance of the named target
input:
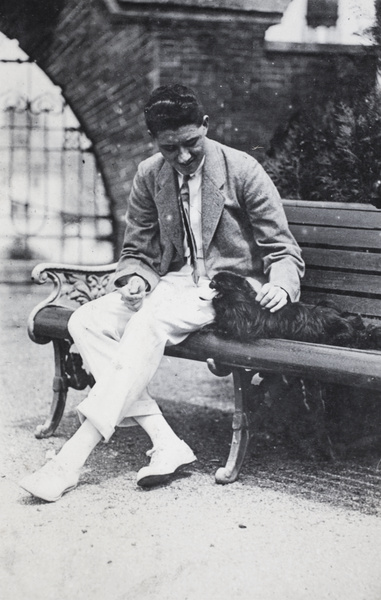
(281, 256)
(141, 251)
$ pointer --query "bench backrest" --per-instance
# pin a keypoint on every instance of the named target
(341, 245)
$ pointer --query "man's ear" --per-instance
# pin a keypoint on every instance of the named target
(205, 122)
(150, 134)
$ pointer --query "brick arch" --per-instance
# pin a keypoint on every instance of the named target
(78, 48)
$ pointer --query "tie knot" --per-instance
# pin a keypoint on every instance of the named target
(184, 190)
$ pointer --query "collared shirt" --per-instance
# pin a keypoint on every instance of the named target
(195, 203)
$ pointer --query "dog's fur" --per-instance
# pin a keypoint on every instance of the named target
(240, 317)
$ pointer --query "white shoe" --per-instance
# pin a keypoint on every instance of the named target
(50, 482)
(164, 463)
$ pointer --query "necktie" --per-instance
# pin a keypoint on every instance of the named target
(185, 213)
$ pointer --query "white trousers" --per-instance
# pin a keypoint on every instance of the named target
(123, 349)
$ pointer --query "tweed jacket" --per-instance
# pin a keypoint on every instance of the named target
(244, 227)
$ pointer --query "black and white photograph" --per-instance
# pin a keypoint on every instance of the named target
(190, 299)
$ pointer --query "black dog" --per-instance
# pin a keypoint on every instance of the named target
(239, 316)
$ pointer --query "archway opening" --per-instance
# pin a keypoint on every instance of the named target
(53, 201)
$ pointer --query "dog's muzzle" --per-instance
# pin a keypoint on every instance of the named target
(207, 292)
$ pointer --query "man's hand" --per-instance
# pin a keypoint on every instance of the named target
(133, 293)
(272, 297)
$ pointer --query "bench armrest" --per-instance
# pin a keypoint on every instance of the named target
(80, 283)
(73, 285)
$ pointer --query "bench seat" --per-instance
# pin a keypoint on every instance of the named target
(361, 368)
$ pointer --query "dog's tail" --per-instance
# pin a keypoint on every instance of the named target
(368, 335)
(373, 337)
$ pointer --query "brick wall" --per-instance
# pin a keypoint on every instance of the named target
(222, 63)
(107, 68)
(305, 74)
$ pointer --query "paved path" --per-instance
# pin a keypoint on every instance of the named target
(288, 529)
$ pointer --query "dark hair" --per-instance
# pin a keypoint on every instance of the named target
(171, 107)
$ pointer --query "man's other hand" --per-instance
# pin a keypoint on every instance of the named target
(272, 297)
(133, 293)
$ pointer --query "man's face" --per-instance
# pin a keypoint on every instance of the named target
(183, 148)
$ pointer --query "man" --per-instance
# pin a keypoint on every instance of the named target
(197, 207)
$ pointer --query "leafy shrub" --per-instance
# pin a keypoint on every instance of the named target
(330, 153)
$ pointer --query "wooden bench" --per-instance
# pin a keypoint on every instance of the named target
(341, 245)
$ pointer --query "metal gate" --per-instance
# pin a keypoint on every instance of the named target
(53, 203)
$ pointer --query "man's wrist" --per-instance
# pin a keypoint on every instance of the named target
(286, 292)
(122, 281)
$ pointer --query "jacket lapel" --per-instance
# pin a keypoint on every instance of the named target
(168, 207)
(213, 199)
(213, 181)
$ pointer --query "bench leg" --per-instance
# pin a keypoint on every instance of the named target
(314, 398)
(60, 385)
(242, 429)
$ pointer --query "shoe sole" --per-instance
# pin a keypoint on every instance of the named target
(49, 499)
(159, 479)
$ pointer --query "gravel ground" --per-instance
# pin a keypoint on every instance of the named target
(292, 527)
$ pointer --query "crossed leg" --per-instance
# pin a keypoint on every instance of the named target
(123, 350)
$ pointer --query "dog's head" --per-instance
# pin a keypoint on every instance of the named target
(226, 283)
(234, 304)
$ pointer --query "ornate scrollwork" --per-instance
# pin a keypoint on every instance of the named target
(72, 285)
(84, 287)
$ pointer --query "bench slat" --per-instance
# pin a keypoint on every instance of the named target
(342, 259)
(51, 322)
(359, 219)
(327, 363)
(367, 307)
(332, 206)
(359, 283)
(330, 236)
